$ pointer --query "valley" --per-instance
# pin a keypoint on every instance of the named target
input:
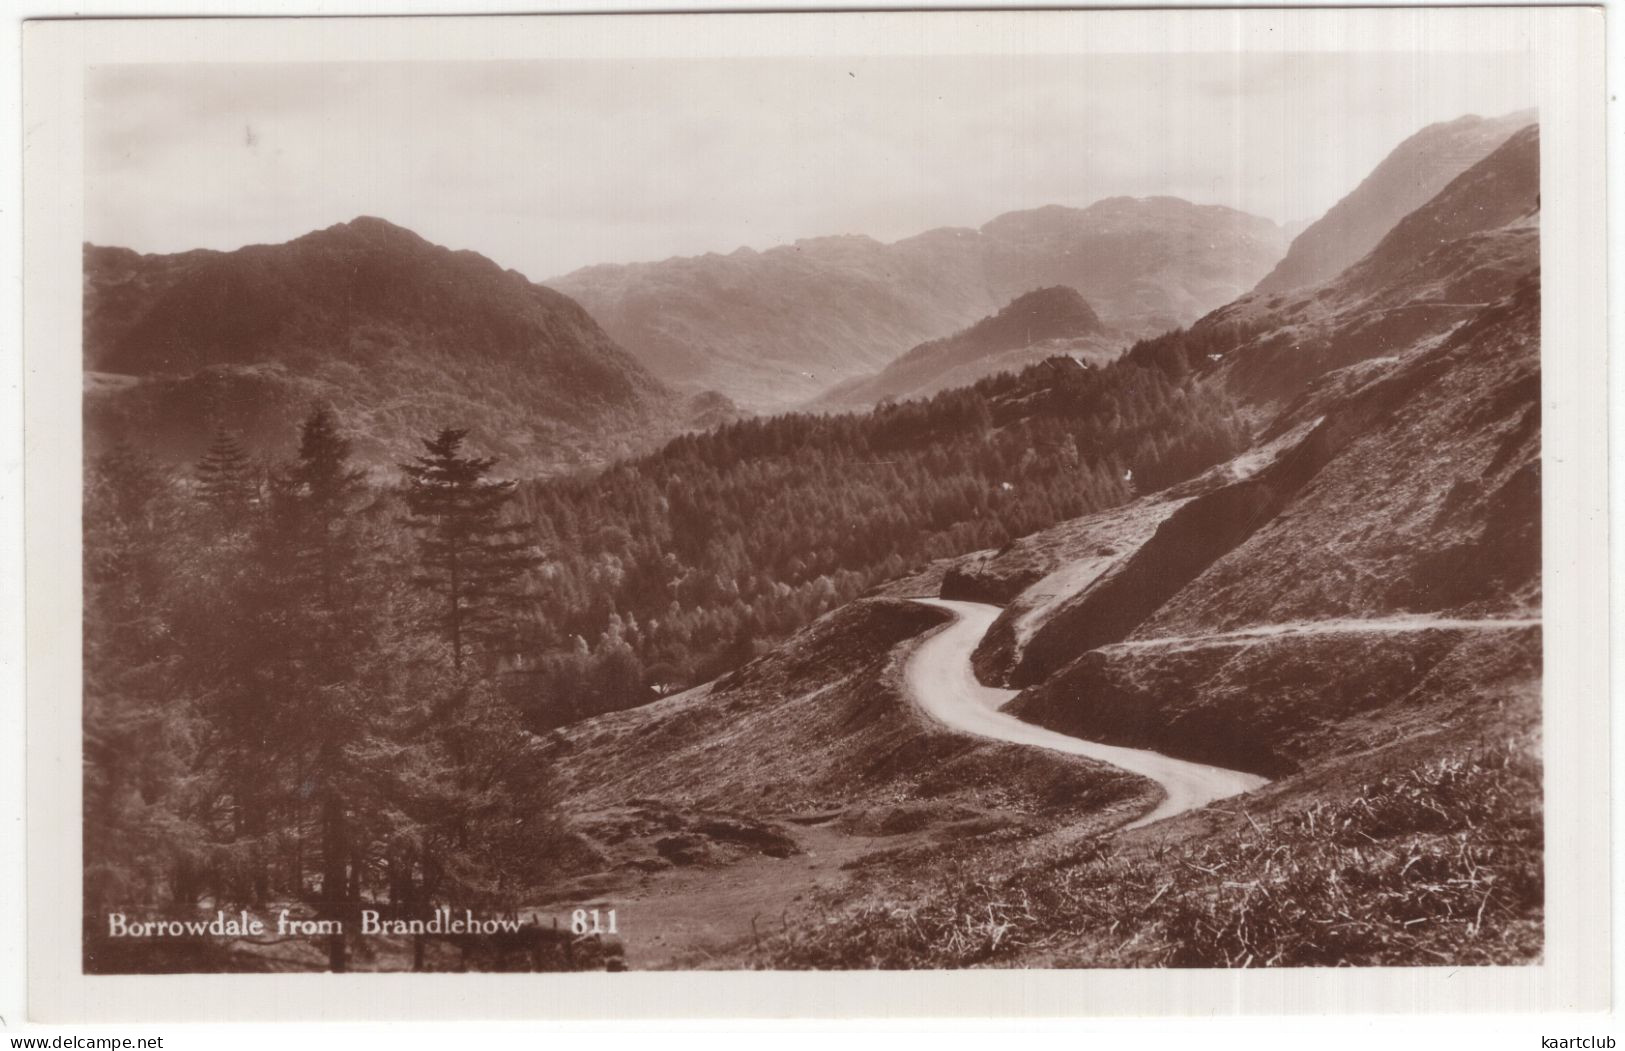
(1075, 591)
(1314, 670)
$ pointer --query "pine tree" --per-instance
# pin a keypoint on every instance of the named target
(225, 478)
(136, 739)
(325, 491)
(317, 573)
(470, 558)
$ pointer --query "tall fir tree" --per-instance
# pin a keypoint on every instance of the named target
(471, 558)
(325, 491)
(137, 742)
(318, 556)
(225, 479)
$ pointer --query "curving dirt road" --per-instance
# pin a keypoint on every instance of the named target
(1395, 625)
(940, 678)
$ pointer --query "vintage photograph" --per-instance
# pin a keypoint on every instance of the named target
(903, 511)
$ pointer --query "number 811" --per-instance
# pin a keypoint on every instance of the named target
(591, 921)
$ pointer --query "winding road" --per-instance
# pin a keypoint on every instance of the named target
(1398, 625)
(940, 679)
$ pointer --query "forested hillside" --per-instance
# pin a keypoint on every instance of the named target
(667, 570)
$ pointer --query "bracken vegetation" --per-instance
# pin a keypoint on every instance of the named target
(1438, 863)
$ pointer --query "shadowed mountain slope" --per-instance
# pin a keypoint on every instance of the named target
(1416, 493)
(401, 335)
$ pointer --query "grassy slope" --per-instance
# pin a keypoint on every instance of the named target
(1429, 857)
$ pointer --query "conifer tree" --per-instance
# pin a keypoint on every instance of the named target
(313, 549)
(471, 558)
(225, 478)
(325, 490)
(135, 738)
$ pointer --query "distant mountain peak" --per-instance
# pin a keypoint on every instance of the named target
(1034, 326)
(368, 230)
(1044, 313)
(1055, 312)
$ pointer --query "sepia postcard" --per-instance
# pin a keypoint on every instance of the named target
(729, 515)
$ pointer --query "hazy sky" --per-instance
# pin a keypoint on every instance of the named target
(549, 166)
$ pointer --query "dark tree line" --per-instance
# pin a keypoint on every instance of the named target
(288, 694)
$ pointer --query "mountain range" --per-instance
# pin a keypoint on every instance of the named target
(773, 329)
(402, 334)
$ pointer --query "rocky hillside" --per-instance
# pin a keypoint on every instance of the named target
(1046, 323)
(1476, 240)
(776, 328)
(1412, 174)
(1415, 494)
(1470, 245)
(401, 335)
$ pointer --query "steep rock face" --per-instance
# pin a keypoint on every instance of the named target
(776, 328)
(400, 334)
(1043, 323)
(1414, 172)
